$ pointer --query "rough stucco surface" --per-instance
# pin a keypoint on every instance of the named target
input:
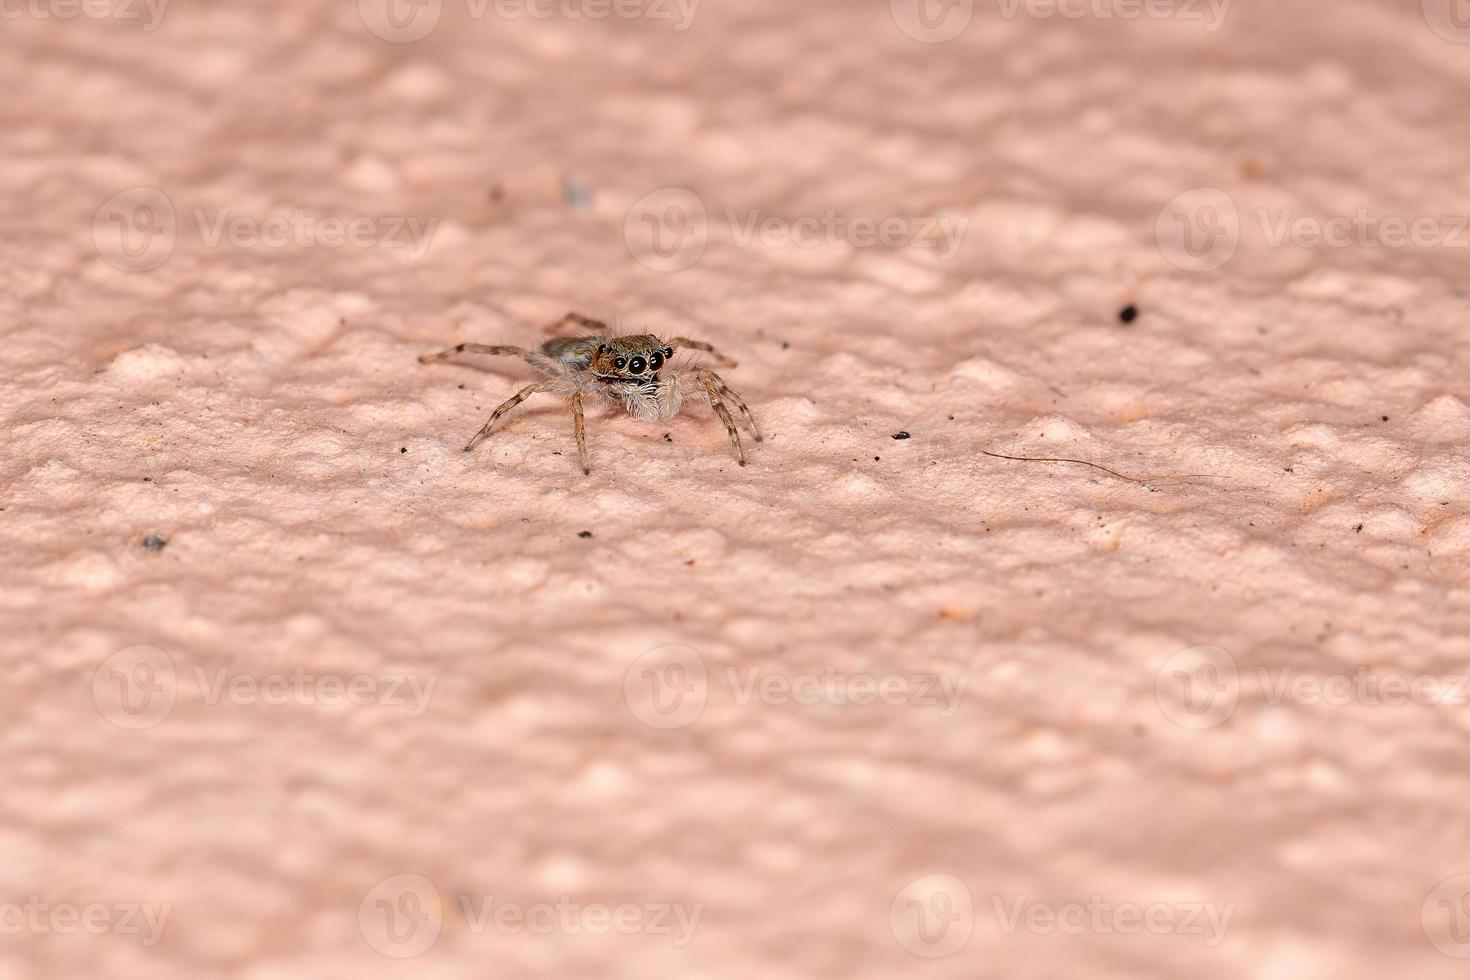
(1298, 419)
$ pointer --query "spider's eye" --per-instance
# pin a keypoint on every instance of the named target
(637, 365)
(602, 348)
(668, 352)
(620, 363)
(655, 360)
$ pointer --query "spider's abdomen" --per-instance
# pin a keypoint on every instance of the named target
(574, 352)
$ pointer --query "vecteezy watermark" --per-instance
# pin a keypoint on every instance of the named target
(1363, 686)
(669, 687)
(409, 691)
(148, 13)
(402, 917)
(406, 21)
(135, 688)
(1198, 688)
(933, 916)
(669, 230)
(1103, 916)
(936, 21)
(1446, 917)
(138, 688)
(1201, 229)
(1450, 19)
(138, 230)
(39, 917)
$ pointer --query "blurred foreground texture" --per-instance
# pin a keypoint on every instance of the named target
(297, 688)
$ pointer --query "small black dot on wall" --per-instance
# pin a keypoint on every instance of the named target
(1128, 313)
(901, 435)
(584, 535)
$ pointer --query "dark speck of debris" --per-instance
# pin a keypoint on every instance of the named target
(876, 458)
(901, 435)
(147, 479)
(154, 543)
(785, 345)
(584, 535)
(668, 438)
(403, 449)
(951, 418)
(1359, 529)
(577, 195)
(1385, 418)
(1128, 313)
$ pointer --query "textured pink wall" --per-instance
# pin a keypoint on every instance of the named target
(370, 706)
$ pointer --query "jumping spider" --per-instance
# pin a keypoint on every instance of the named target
(602, 367)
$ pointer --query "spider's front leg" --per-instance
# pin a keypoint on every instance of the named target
(509, 404)
(714, 388)
(579, 424)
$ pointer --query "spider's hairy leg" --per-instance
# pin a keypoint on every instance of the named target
(579, 423)
(445, 355)
(536, 359)
(509, 404)
(685, 342)
(701, 378)
(585, 323)
(728, 393)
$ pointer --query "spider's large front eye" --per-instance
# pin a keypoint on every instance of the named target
(620, 363)
(655, 360)
(637, 365)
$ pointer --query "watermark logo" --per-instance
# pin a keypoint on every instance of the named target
(406, 21)
(1362, 229)
(1199, 230)
(1102, 916)
(933, 916)
(563, 916)
(38, 917)
(401, 916)
(136, 230)
(1210, 14)
(138, 688)
(1446, 917)
(409, 691)
(401, 21)
(1363, 687)
(135, 688)
(937, 21)
(1450, 19)
(1198, 688)
(932, 21)
(667, 231)
(667, 687)
(148, 13)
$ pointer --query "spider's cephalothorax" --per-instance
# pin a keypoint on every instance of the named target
(631, 370)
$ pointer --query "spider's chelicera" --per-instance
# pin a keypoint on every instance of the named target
(631, 370)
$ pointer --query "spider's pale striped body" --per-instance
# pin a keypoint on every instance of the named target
(632, 371)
